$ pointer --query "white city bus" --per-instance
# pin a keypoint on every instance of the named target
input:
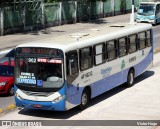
(149, 12)
(63, 72)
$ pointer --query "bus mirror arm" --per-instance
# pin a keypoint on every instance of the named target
(70, 66)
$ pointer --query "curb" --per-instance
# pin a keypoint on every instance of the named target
(8, 108)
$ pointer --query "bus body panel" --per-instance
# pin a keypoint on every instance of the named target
(111, 80)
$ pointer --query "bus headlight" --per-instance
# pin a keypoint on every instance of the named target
(138, 17)
(58, 99)
(18, 96)
(152, 17)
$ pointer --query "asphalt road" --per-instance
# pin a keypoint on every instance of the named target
(156, 31)
(13, 40)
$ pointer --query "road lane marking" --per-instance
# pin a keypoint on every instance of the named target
(7, 108)
(10, 107)
(1, 111)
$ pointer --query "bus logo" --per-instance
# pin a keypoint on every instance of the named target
(123, 65)
(106, 72)
(86, 75)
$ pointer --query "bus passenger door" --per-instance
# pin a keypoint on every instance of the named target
(72, 74)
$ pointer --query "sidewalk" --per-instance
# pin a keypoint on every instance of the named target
(13, 40)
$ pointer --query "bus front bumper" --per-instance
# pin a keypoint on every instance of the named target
(147, 20)
(58, 106)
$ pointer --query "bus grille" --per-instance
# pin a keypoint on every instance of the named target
(31, 93)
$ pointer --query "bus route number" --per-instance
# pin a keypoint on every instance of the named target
(32, 60)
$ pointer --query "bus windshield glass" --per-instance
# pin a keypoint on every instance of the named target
(146, 9)
(39, 71)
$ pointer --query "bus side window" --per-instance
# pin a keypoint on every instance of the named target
(72, 66)
(158, 9)
(132, 43)
(99, 51)
(149, 39)
(111, 50)
(85, 59)
(122, 44)
(142, 40)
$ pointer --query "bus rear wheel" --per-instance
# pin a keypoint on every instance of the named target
(130, 78)
(84, 99)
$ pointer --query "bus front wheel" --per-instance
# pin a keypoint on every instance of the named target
(84, 99)
(155, 23)
(130, 78)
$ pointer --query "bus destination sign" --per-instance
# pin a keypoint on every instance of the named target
(38, 51)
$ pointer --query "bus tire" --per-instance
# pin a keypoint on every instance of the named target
(130, 78)
(84, 99)
(155, 23)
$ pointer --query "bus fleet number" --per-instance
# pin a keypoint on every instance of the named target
(32, 60)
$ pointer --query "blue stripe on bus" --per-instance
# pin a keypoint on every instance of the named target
(110, 82)
(140, 67)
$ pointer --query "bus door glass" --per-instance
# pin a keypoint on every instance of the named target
(72, 66)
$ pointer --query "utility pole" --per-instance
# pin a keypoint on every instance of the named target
(43, 11)
(132, 14)
(1, 20)
(60, 14)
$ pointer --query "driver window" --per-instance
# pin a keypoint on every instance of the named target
(72, 66)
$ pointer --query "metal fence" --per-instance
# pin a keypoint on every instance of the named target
(51, 14)
(29, 16)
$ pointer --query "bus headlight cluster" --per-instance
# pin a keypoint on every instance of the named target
(137, 17)
(18, 96)
(152, 17)
(58, 99)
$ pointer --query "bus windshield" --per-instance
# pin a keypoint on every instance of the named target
(146, 9)
(39, 72)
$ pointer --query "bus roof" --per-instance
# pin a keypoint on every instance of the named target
(153, 3)
(89, 37)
